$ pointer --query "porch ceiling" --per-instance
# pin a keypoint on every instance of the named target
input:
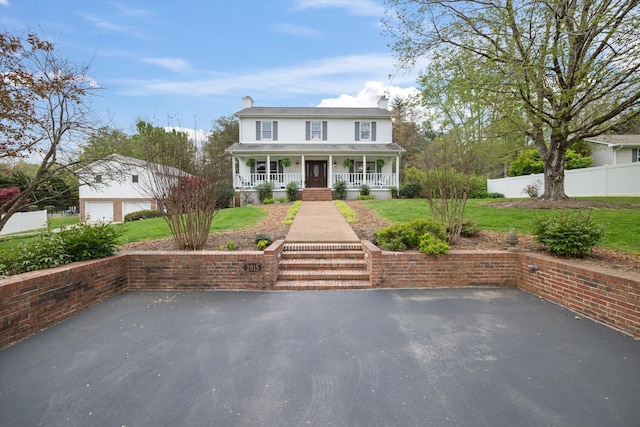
(315, 148)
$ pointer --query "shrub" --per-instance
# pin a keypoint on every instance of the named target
(365, 190)
(568, 234)
(81, 242)
(394, 192)
(231, 245)
(367, 197)
(533, 189)
(495, 195)
(469, 228)
(407, 235)
(280, 200)
(410, 190)
(431, 245)
(292, 191)
(265, 191)
(263, 237)
(144, 214)
(268, 201)
(341, 189)
(262, 244)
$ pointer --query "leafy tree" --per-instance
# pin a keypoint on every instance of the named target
(407, 132)
(570, 65)
(225, 133)
(44, 109)
(529, 162)
(105, 141)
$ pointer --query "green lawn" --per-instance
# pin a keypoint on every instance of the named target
(157, 228)
(622, 224)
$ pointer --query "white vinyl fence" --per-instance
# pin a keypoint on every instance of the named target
(25, 221)
(608, 180)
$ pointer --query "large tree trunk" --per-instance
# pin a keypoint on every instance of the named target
(553, 160)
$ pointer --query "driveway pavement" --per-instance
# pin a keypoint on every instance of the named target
(442, 357)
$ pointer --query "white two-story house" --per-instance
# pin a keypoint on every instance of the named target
(315, 147)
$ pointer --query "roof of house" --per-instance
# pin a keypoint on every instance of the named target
(315, 148)
(124, 162)
(616, 140)
(327, 112)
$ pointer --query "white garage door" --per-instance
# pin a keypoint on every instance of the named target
(99, 211)
(128, 207)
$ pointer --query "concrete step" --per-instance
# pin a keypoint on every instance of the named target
(316, 285)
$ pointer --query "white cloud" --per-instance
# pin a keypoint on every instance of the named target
(107, 25)
(369, 95)
(173, 64)
(199, 136)
(4, 2)
(330, 75)
(296, 30)
(360, 7)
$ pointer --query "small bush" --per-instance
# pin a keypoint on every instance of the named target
(469, 228)
(265, 191)
(81, 242)
(292, 191)
(410, 190)
(533, 189)
(407, 235)
(341, 189)
(268, 201)
(495, 196)
(262, 244)
(568, 234)
(263, 236)
(365, 190)
(280, 200)
(367, 197)
(291, 213)
(394, 192)
(431, 245)
(144, 214)
(231, 245)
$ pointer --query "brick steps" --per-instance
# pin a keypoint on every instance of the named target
(306, 266)
(317, 195)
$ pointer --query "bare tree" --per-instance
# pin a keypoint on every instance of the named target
(573, 66)
(186, 186)
(44, 109)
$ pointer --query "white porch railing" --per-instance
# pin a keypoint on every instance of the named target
(281, 180)
(373, 180)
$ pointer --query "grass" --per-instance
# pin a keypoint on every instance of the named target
(156, 228)
(622, 224)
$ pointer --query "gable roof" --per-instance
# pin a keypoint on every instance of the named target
(315, 148)
(616, 140)
(125, 162)
(319, 112)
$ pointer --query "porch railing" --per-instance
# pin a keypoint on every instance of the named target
(281, 180)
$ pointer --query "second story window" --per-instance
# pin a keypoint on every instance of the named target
(365, 131)
(266, 131)
(98, 179)
(134, 178)
(316, 131)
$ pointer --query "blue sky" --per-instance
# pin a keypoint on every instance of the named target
(186, 63)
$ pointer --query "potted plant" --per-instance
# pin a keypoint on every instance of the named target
(286, 162)
(250, 162)
(348, 163)
(380, 163)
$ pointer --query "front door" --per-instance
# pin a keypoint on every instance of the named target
(316, 171)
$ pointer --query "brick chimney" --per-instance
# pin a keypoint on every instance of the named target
(247, 102)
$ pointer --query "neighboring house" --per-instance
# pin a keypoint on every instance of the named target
(615, 149)
(315, 147)
(115, 186)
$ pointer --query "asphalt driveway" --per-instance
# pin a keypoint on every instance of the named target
(459, 357)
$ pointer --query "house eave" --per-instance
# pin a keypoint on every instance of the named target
(243, 149)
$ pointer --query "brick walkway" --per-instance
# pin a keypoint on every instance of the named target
(320, 222)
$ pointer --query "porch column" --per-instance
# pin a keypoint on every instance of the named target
(302, 170)
(330, 174)
(398, 172)
(268, 177)
(364, 169)
(233, 171)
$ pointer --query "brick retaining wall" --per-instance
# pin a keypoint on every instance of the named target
(33, 301)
